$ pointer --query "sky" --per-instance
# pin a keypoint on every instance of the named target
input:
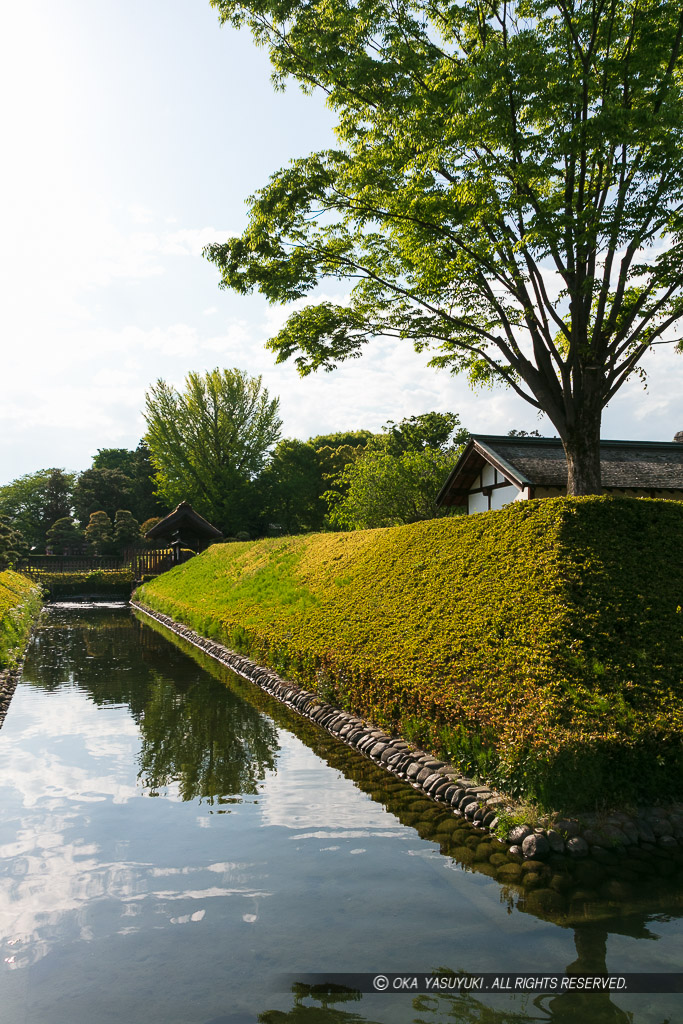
(133, 133)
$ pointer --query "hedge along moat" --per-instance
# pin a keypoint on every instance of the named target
(97, 584)
(20, 603)
(539, 647)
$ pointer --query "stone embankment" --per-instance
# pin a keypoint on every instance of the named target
(8, 684)
(639, 842)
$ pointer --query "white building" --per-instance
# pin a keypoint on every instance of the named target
(494, 471)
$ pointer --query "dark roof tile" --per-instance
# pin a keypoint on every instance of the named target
(540, 462)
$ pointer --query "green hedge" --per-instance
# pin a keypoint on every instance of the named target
(539, 646)
(20, 602)
(115, 583)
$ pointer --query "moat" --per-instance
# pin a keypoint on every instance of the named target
(177, 847)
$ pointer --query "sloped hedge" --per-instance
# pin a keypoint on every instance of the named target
(540, 646)
(20, 602)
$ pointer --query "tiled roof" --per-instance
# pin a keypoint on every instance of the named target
(541, 462)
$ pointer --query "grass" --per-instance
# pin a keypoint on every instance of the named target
(540, 646)
(20, 602)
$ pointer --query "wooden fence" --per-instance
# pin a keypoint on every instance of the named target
(151, 562)
(145, 562)
(72, 563)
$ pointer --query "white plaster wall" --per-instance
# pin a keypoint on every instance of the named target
(488, 476)
(504, 495)
(477, 503)
(640, 492)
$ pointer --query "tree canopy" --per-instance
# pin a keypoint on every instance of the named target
(137, 467)
(102, 490)
(33, 502)
(99, 532)
(64, 537)
(395, 479)
(507, 191)
(11, 544)
(126, 529)
(209, 441)
(295, 486)
(115, 458)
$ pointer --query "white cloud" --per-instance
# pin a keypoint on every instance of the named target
(67, 396)
(190, 242)
(293, 799)
(140, 214)
(104, 287)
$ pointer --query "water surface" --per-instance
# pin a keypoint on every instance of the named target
(177, 847)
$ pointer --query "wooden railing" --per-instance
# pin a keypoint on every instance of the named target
(151, 562)
(144, 562)
(72, 563)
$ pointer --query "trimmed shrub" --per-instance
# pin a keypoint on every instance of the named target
(103, 582)
(540, 646)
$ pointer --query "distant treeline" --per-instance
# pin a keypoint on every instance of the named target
(350, 479)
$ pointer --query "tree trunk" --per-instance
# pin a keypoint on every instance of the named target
(582, 448)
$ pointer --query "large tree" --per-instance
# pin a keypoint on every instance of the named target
(209, 441)
(33, 502)
(508, 189)
(102, 490)
(137, 467)
(292, 485)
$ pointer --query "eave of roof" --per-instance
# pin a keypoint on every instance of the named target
(660, 458)
(183, 513)
(480, 444)
(513, 473)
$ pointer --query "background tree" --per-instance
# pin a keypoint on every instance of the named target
(12, 546)
(137, 467)
(122, 459)
(210, 441)
(58, 502)
(32, 502)
(101, 490)
(126, 530)
(389, 490)
(290, 490)
(292, 485)
(508, 188)
(398, 475)
(147, 525)
(64, 537)
(98, 533)
(430, 431)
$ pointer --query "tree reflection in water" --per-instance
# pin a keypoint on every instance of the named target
(206, 739)
(325, 1013)
(568, 1007)
(195, 732)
